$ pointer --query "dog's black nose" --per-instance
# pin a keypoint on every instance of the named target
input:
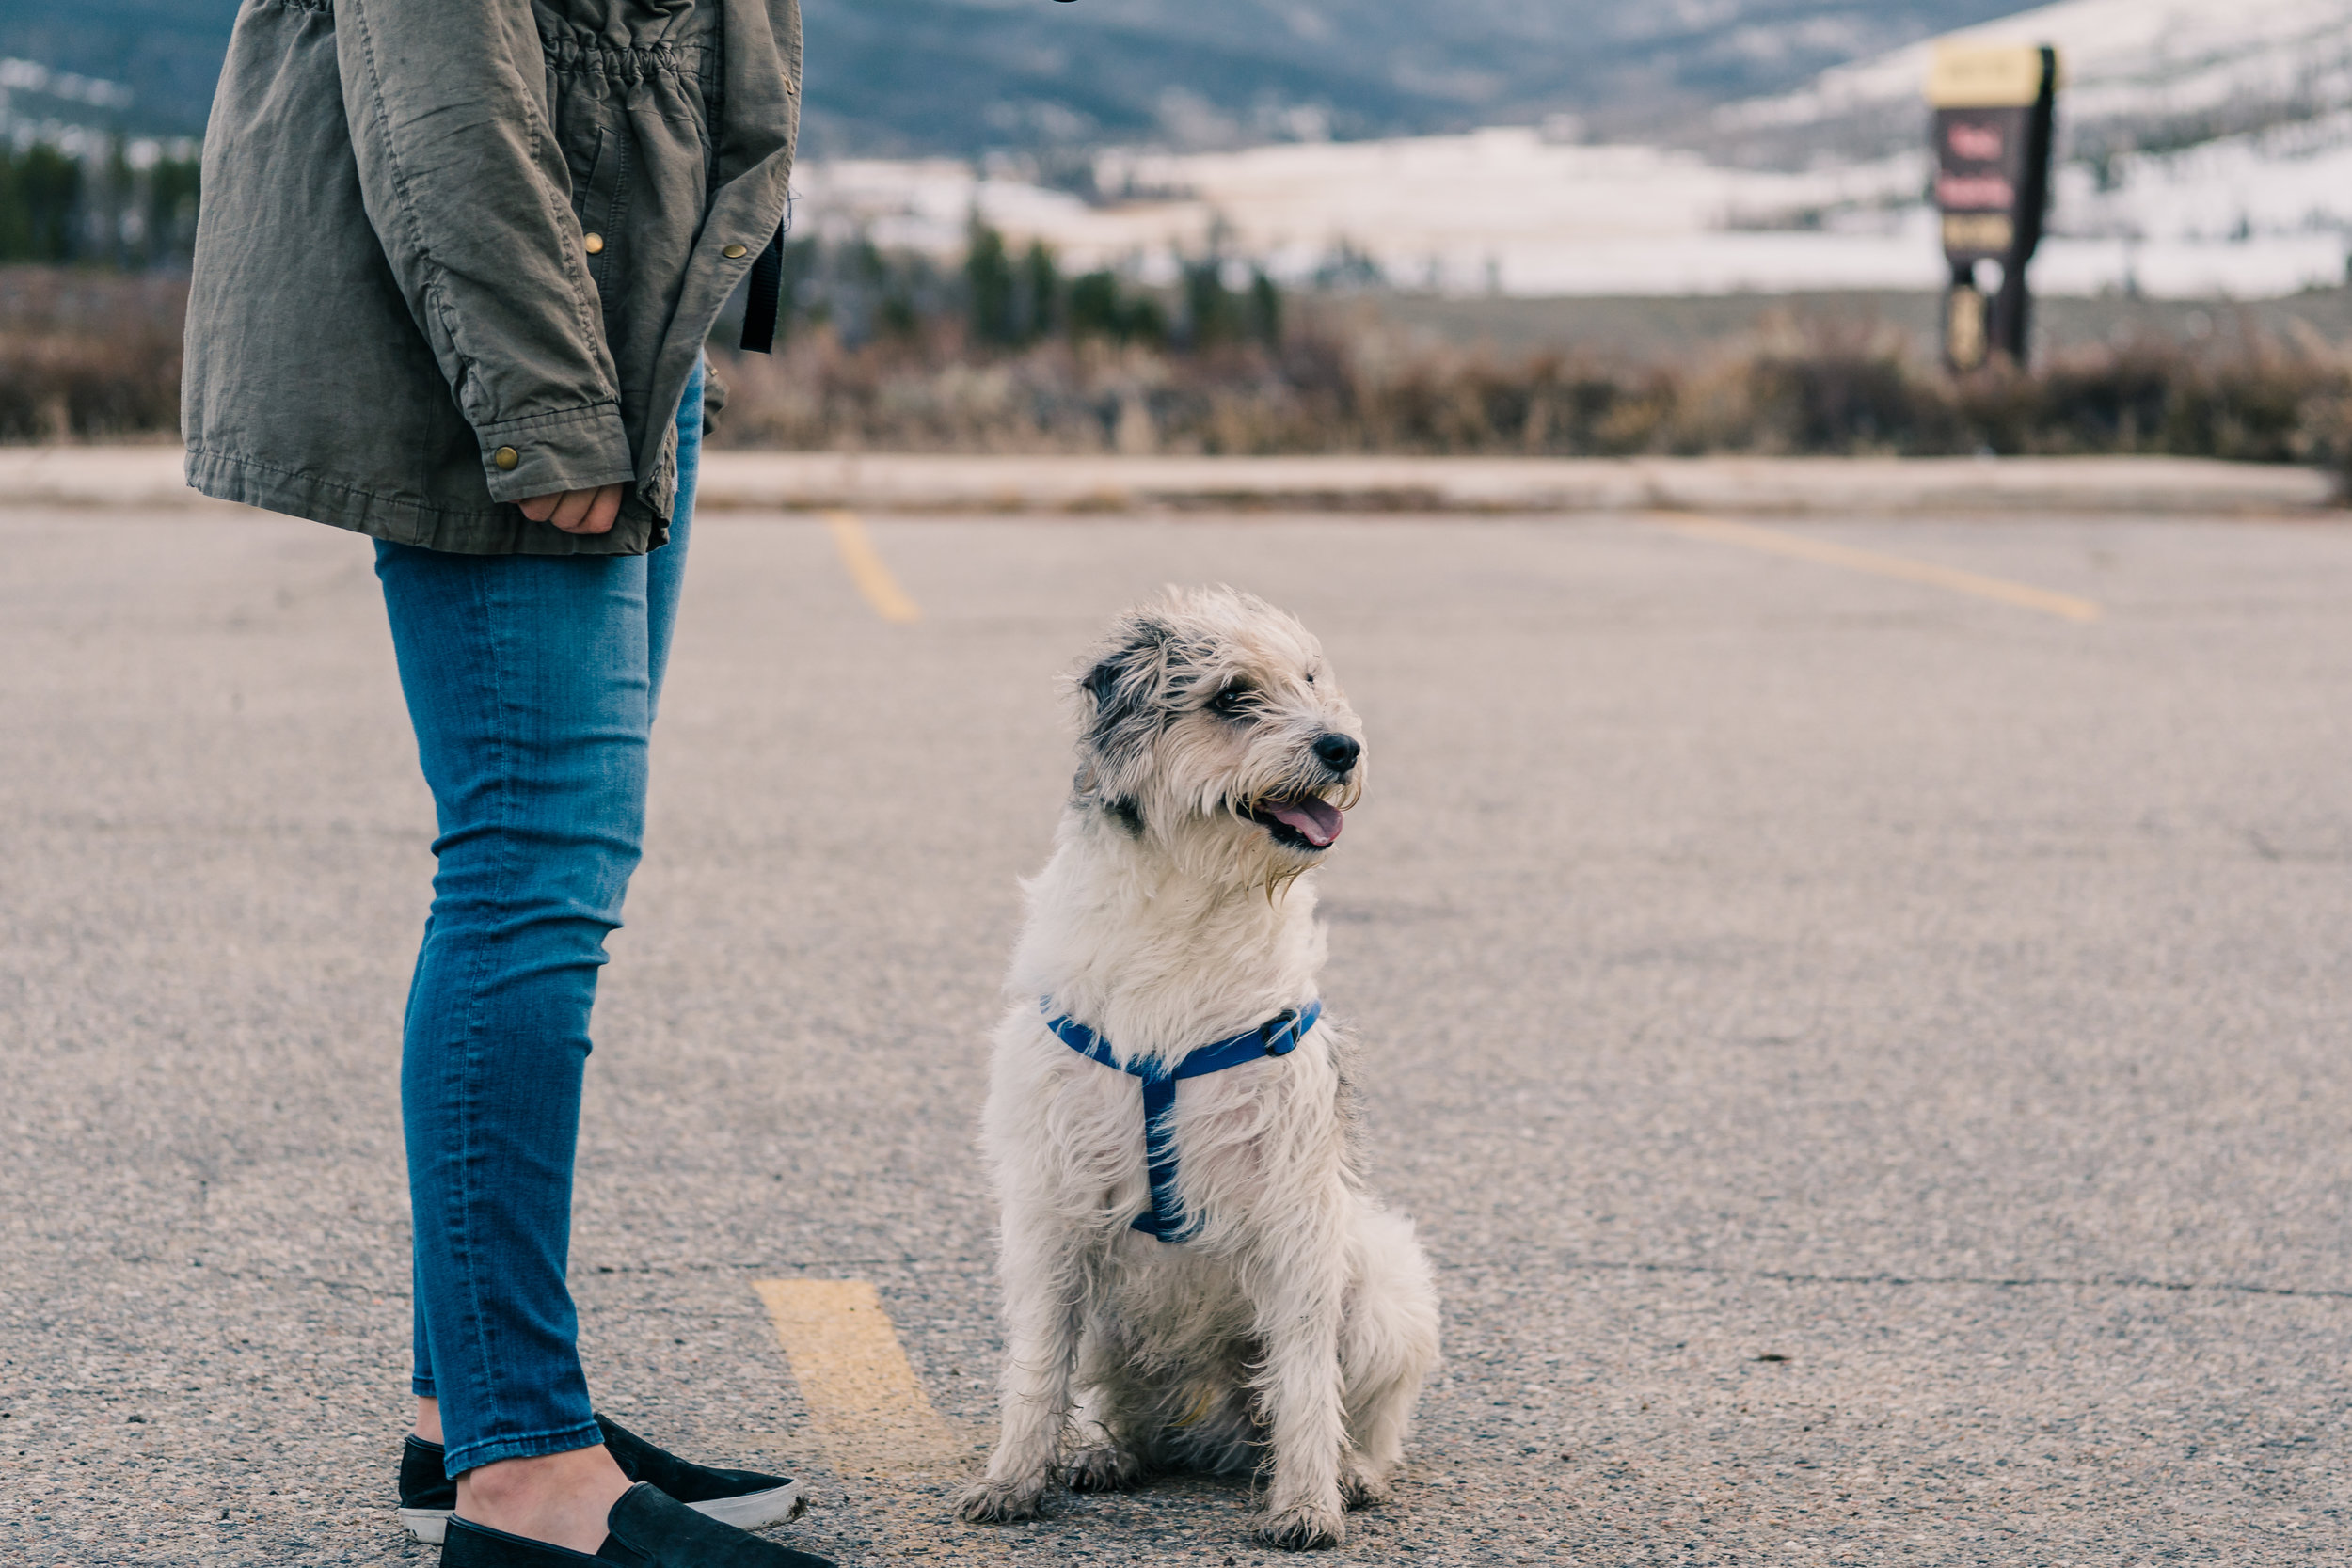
(1339, 751)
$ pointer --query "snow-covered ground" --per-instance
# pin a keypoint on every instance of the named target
(1500, 209)
(2263, 211)
(2138, 59)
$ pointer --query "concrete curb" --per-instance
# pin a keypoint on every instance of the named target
(149, 476)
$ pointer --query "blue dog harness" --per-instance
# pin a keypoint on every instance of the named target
(1277, 1036)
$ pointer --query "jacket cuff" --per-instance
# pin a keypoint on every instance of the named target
(542, 453)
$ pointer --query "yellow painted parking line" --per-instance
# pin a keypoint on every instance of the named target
(1773, 541)
(867, 570)
(871, 1414)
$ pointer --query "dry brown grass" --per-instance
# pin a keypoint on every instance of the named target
(88, 355)
(96, 356)
(1796, 386)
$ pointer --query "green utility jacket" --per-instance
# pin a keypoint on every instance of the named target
(457, 253)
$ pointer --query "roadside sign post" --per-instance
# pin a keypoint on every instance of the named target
(1994, 107)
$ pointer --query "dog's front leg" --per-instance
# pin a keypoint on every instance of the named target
(1040, 1348)
(1299, 1390)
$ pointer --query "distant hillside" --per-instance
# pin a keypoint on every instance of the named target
(2202, 147)
(2151, 77)
(960, 76)
(166, 51)
(904, 76)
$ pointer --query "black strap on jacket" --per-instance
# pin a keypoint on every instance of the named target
(767, 293)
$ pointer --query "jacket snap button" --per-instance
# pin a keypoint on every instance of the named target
(592, 243)
(507, 457)
(733, 253)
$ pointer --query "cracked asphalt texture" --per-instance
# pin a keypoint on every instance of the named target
(1869, 1062)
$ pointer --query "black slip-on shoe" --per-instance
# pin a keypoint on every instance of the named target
(427, 1496)
(745, 1498)
(648, 1530)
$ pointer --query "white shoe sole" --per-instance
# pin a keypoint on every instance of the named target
(752, 1511)
(756, 1510)
(428, 1524)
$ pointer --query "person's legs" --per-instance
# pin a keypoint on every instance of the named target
(527, 683)
(532, 683)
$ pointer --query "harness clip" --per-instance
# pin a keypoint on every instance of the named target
(1283, 1026)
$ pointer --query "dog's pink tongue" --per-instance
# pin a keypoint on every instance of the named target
(1316, 821)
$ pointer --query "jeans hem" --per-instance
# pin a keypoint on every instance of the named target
(422, 1387)
(530, 1445)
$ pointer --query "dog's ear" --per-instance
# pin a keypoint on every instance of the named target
(1125, 696)
(1101, 684)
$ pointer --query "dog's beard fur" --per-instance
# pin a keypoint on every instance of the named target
(1296, 1326)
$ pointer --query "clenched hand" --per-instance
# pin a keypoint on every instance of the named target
(577, 511)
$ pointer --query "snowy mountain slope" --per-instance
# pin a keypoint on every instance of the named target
(960, 76)
(1500, 209)
(2137, 73)
(2202, 147)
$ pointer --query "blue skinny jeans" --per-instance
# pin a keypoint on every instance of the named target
(532, 682)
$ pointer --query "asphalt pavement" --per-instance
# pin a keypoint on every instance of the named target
(1866, 1052)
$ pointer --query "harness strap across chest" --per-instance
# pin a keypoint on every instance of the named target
(1277, 1036)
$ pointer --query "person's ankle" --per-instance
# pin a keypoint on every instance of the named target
(428, 1420)
(562, 1499)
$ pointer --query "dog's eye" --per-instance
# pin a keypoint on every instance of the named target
(1234, 700)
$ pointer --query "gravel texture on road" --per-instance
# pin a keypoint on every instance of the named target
(1869, 1062)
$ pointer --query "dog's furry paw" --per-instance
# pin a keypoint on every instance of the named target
(1104, 1469)
(1358, 1490)
(1304, 1527)
(994, 1502)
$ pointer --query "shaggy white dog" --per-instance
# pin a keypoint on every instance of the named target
(1273, 1314)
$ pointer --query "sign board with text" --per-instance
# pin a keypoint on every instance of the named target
(1994, 107)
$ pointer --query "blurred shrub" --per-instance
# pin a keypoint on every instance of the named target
(2259, 402)
(1120, 379)
(1100, 307)
(87, 356)
(887, 352)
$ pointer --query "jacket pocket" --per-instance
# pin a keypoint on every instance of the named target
(600, 201)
